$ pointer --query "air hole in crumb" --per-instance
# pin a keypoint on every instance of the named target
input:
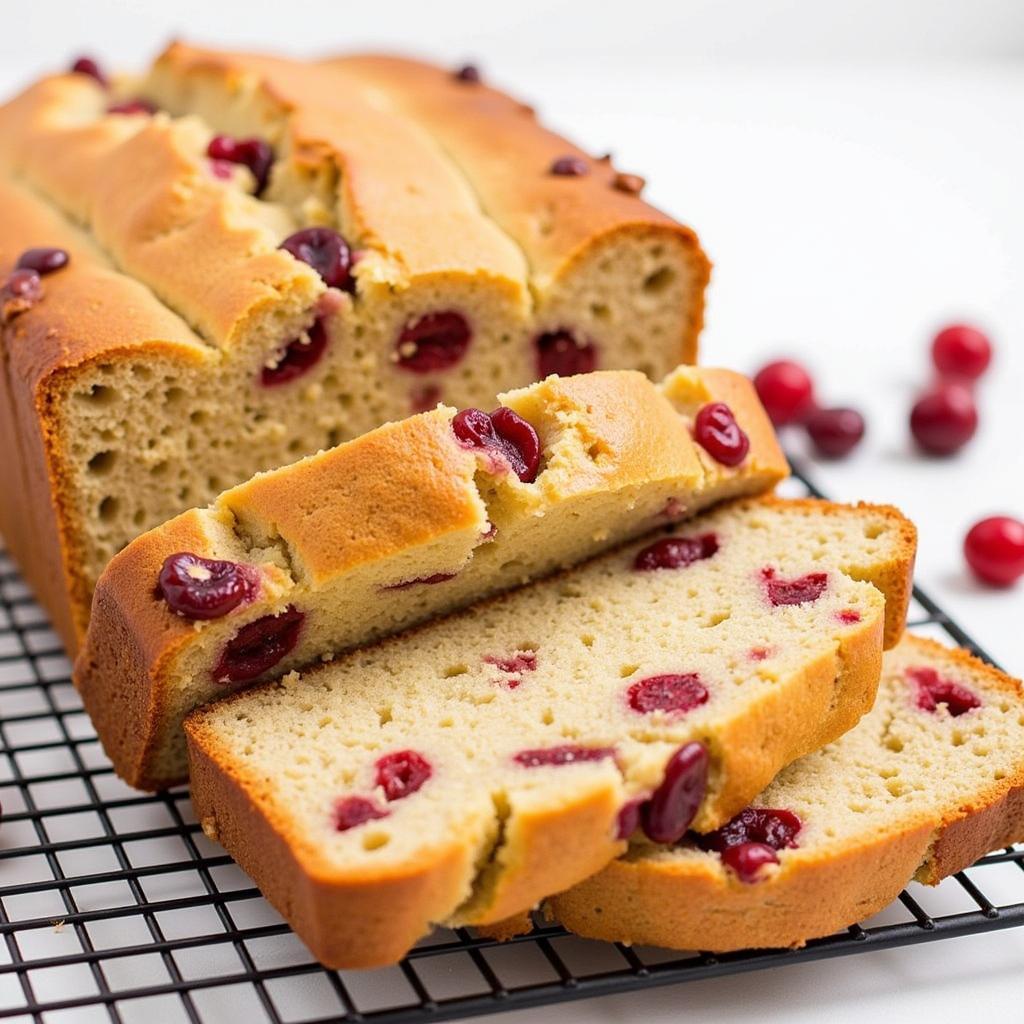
(139, 518)
(172, 396)
(455, 670)
(197, 417)
(375, 840)
(102, 462)
(384, 714)
(108, 508)
(627, 670)
(158, 468)
(599, 311)
(873, 530)
(547, 716)
(100, 394)
(587, 640)
(896, 787)
(659, 280)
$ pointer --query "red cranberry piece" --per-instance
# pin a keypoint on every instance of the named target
(748, 860)
(675, 552)
(674, 804)
(351, 811)
(297, 357)
(87, 66)
(835, 432)
(259, 646)
(994, 549)
(435, 342)
(848, 616)
(569, 167)
(759, 653)
(629, 819)
(678, 693)
(467, 73)
(402, 773)
(136, 106)
(570, 753)
(933, 690)
(775, 827)
(503, 432)
(437, 577)
(521, 661)
(205, 588)
(559, 352)
(424, 399)
(961, 351)
(21, 291)
(945, 419)
(786, 391)
(801, 590)
(715, 429)
(326, 252)
(222, 169)
(255, 154)
(43, 260)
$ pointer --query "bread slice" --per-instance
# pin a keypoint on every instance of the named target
(463, 771)
(182, 349)
(401, 524)
(929, 781)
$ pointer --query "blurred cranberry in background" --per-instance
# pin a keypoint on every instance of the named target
(944, 419)
(786, 391)
(961, 351)
(994, 549)
(835, 432)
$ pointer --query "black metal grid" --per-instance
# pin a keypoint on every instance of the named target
(115, 905)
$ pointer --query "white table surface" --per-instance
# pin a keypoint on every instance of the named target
(849, 211)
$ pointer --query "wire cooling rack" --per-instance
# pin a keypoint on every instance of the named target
(115, 907)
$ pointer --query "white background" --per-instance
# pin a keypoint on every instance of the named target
(855, 171)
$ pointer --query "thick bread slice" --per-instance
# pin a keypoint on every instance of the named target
(343, 536)
(547, 672)
(910, 793)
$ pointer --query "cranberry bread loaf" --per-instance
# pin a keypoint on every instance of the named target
(929, 781)
(463, 771)
(408, 521)
(267, 266)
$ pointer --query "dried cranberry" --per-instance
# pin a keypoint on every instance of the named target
(521, 661)
(570, 753)
(945, 419)
(222, 169)
(775, 827)
(786, 391)
(351, 811)
(748, 860)
(136, 106)
(503, 432)
(20, 292)
(835, 432)
(631, 184)
(326, 252)
(801, 590)
(933, 690)
(259, 646)
(569, 167)
(205, 588)
(675, 552)
(677, 693)
(467, 73)
(961, 351)
(402, 773)
(437, 577)
(87, 66)
(628, 820)
(848, 616)
(674, 804)
(255, 154)
(435, 342)
(994, 549)
(715, 429)
(559, 352)
(43, 260)
(425, 398)
(297, 357)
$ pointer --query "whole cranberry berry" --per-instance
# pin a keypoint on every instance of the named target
(835, 432)
(961, 351)
(994, 549)
(87, 66)
(786, 391)
(945, 419)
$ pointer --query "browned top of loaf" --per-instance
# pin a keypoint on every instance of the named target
(507, 154)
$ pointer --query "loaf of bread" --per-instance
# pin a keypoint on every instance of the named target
(406, 522)
(465, 770)
(256, 263)
(929, 781)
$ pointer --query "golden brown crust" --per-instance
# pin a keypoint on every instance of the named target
(693, 903)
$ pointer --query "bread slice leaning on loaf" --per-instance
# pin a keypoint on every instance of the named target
(929, 781)
(404, 523)
(461, 772)
(269, 264)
